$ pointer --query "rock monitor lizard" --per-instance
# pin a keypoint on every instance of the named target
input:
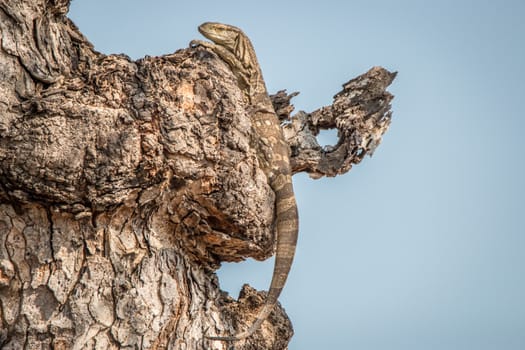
(273, 153)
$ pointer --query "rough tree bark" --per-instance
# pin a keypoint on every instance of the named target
(124, 184)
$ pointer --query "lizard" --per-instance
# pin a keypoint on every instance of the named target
(273, 153)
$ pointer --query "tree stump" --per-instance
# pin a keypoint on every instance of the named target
(124, 184)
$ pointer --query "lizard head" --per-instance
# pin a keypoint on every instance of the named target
(222, 34)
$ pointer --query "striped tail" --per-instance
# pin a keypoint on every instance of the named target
(287, 230)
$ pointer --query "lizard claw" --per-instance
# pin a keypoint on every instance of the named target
(194, 43)
(206, 44)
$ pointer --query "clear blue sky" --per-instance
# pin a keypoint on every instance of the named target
(423, 245)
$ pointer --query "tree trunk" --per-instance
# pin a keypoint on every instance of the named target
(124, 184)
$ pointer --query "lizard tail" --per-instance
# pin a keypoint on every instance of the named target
(287, 230)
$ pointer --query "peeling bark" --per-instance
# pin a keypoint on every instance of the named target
(124, 184)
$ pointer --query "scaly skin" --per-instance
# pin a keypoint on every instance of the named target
(234, 47)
